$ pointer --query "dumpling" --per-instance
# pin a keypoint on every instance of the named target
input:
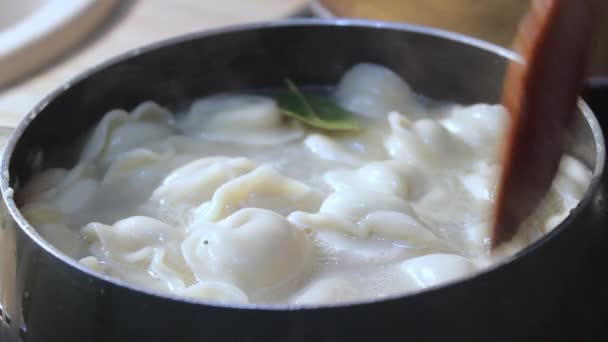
(134, 161)
(51, 224)
(252, 249)
(325, 148)
(481, 126)
(167, 264)
(393, 177)
(347, 210)
(76, 196)
(61, 236)
(450, 206)
(482, 182)
(69, 191)
(243, 119)
(261, 188)
(568, 187)
(355, 204)
(216, 291)
(339, 286)
(40, 184)
(197, 181)
(132, 239)
(143, 250)
(425, 142)
(385, 176)
(398, 226)
(149, 111)
(572, 181)
(93, 263)
(40, 213)
(334, 289)
(433, 269)
(373, 90)
(119, 132)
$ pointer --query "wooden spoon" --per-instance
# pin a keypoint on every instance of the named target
(541, 95)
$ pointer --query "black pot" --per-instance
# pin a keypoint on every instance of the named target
(47, 296)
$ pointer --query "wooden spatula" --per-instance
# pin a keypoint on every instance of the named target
(541, 95)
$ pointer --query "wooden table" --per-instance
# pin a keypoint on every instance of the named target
(135, 23)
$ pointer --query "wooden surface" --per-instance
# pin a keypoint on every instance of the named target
(135, 23)
(34, 32)
(492, 20)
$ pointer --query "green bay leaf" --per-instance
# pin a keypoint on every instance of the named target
(315, 110)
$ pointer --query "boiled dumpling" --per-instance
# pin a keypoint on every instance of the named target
(197, 181)
(448, 203)
(97, 142)
(76, 196)
(386, 177)
(355, 204)
(216, 291)
(132, 239)
(40, 213)
(399, 226)
(119, 132)
(149, 111)
(572, 180)
(392, 177)
(68, 191)
(334, 289)
(425, 142)
(434, 269)
(261, 188)
(479, 126)
(373, 90)
(134, 161)
(134, 134)
(93, 263)
(252, 248)
(61, 237)
(41, 183)
(245, 119)
(50, 222)
(381, 280)
(482, 182)
(327, 149)
(168, 265)
(346, 211)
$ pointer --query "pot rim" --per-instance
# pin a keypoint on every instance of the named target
(15, 213)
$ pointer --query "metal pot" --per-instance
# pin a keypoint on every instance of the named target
(47, 296)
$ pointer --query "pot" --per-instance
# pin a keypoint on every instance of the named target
(47, 296)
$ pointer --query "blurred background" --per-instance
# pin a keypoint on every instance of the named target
(492, 20)
(43, 43)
